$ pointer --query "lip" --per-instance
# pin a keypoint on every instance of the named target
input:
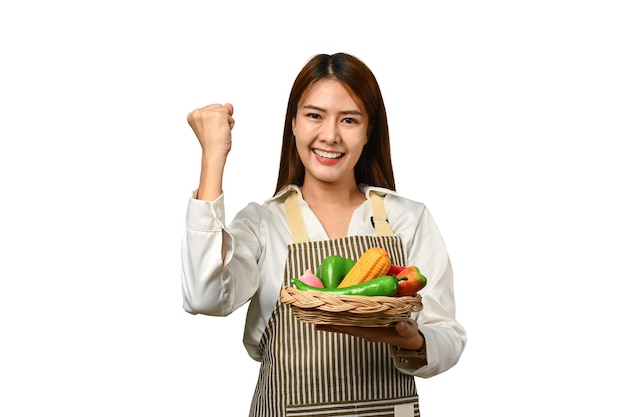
(327, 161)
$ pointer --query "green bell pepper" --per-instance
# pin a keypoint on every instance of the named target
(385, 285)
(333, 269)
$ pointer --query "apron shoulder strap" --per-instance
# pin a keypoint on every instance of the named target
(295, 219)
(380, 216)
(298, 228)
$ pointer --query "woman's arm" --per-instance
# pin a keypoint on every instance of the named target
(445, 337)
(208, 259)
(216, 278)
(212, 125)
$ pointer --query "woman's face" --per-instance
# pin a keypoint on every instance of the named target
(330, 129)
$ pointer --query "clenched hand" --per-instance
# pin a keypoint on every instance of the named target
(212, 125)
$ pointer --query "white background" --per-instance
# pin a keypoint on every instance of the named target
(507, 120)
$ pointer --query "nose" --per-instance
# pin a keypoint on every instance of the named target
(329, 132)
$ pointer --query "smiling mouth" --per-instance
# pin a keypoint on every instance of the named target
(328, 155)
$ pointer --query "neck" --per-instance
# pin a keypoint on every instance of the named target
(331, 194)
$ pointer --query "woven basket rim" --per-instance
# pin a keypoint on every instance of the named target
(352, 310)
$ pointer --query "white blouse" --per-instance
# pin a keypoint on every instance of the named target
(224, 267)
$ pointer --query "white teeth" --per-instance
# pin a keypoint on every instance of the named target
(329, 155)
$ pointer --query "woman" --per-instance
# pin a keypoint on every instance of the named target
(335, 178)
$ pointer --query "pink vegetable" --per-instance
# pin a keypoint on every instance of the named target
(311, 279)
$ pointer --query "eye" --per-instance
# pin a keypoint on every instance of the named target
(350, 120)
(313, 116)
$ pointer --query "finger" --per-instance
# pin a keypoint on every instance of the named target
(406, 328)
(230, 109)
(200, 113)
(214, 106)
(226, 108)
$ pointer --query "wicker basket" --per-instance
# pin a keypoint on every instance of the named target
(320, 307)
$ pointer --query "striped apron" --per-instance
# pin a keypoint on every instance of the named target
(305, 372)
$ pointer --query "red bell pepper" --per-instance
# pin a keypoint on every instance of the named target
(395, 270)
(413, 281)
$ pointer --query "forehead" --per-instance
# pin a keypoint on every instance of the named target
(330, 91)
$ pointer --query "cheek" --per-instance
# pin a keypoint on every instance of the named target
(301, 147)
(360, 142)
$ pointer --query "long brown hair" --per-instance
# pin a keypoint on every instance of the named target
(374, 166)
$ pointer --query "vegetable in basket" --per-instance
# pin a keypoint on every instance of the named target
(373, 263)
(311, 279)
(333, 269)
(384, 285)
(395, 269)
(411, 281)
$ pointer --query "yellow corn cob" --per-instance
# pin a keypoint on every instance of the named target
(373, 263)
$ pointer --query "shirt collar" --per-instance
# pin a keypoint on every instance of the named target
(365, 189)
(286, 190)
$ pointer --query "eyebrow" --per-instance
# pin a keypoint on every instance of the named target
(313, 107)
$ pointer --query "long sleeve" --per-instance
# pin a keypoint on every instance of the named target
(208, 280)
(444, 335)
